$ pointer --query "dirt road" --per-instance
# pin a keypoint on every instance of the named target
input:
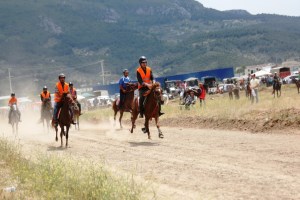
(188, 163)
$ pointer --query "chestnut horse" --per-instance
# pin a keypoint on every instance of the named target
(65, 118)
(127, 104)
(151, 108)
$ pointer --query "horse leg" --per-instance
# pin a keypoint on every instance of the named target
(47, 122)
(13, 127)
(115, 115)
(67, 135)
(56, 130)
(133, 118)
(120, 119)
(160, 135)
(78, 122)
(61, 135)
(147, 127)
(17, 128)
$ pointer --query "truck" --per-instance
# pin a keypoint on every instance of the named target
(210, 84)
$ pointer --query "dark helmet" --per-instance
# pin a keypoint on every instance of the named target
(70, 84)
(61, 75)
(13, 94)
(125, 70)
(45, 87)
(142, 58)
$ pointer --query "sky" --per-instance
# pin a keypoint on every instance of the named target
(281, 7)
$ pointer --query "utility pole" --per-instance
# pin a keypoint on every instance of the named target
(102, 68)
(9, 78)
(103, 73)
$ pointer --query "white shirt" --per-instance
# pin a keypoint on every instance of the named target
(254, 83)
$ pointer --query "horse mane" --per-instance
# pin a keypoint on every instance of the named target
(153, 87)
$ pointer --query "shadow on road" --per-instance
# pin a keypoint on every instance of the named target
(136, 144)
(56, 148)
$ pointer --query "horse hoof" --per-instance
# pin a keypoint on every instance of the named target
(161, 136)
(149, 137)
(56, 139)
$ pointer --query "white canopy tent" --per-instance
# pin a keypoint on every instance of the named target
(262, 73)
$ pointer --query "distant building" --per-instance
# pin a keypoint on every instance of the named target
(255, 68)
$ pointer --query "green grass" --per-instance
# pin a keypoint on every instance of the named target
(54, 177)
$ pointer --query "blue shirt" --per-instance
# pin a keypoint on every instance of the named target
(123, 81)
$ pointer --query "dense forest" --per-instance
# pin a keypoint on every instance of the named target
(39, 39)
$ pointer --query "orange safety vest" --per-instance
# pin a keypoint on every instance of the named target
(12, 101)
(59, 91)
(145, 77)
(73, 93)
(45, 96)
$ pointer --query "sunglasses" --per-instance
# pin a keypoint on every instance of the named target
(144, 62)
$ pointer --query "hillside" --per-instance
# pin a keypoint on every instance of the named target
(39, 39)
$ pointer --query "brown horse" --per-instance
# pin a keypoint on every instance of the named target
(65, 118)
(127, 104)
(47, 113)
(248, 90)
(297, 83)
(277, 89)
(151, 109)
(76, 113)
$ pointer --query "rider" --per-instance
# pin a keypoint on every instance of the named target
(13, 100)
(144, 77)
(60, 88)
(73, 93)
(122, 84)
(45, 96)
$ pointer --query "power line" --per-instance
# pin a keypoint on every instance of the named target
(58, 70)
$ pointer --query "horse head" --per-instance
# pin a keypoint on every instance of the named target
(156, 89)
(131, 87)
(67, 98)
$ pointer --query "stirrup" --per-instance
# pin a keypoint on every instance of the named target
(160, 113)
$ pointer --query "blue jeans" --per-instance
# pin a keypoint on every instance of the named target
(57, 106)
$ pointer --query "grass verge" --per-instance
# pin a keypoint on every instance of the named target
(53, 177)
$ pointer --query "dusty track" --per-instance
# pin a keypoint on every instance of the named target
(188, 163)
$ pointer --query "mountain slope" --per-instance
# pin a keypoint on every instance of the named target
(41, 38)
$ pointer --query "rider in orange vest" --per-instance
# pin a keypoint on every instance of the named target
(60, 88)
(144, 76)
(45, 96)
(13, 100)
(73, 93)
